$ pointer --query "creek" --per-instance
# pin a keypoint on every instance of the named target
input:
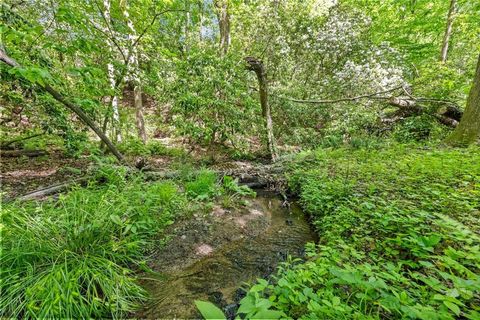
(212, 257)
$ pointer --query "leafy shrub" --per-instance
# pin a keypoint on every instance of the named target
(72, 258)
(333, 141)
(109, 173)
(231, 185)
(159, 149)
(253, 306)
(204, 185)
(211, 104)
(399, 236)
(418, 128)
(134, 147)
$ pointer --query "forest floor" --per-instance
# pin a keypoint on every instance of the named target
(20, 175)
(23, 175)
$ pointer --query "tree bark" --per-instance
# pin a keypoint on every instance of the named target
(257, 66)
(134, 76)
(223, 17)
(448, 31)
(468, 130)
(111, 79)
(76, 109)
(140, 119)
(20, 153)
(200, 20)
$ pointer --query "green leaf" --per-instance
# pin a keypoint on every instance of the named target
(247, 305)
(268, 314)
(209, 310)
(452, 306)
(116, 219)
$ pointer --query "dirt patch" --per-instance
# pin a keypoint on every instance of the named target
(21, 175)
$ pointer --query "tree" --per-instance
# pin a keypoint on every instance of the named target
(223, 17)
(111, 76)
(468, 130)
(448, 31)
(134, 75)
(257, 66)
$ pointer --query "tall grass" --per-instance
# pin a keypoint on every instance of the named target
(73, 258)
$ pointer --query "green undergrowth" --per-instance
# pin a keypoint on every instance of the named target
(399, 232)
(135, 147)
(76, 257)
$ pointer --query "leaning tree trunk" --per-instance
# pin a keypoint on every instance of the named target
(76, 109)
(135, 77)
(223, 17)
(448, 31)
(257, 66)
(468, 130)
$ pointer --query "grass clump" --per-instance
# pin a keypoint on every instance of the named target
(399, 236)
(73, 258)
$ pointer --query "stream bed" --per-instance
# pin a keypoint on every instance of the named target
(211, 257)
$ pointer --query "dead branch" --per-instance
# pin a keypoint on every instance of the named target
(20, 153)
(326, 101)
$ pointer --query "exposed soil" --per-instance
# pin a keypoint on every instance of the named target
(20, 175)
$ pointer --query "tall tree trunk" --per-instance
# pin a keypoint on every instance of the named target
(186, 27)
(468, 130)
(257, 66)
(140, 119)
(223, 17)
(200, 20)
(114, 104)
(111, 79)
(134, 76)
(448, 30)
(76, 109)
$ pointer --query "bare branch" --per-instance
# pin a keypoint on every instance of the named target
(371, 96)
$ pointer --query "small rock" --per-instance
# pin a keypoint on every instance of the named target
(204, 250)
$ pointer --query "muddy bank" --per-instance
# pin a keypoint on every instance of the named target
(211, 256)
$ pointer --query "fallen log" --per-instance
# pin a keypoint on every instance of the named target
(50, 190)
(448, 115)
(19, 153)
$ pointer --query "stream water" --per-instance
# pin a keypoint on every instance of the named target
(211, 258)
